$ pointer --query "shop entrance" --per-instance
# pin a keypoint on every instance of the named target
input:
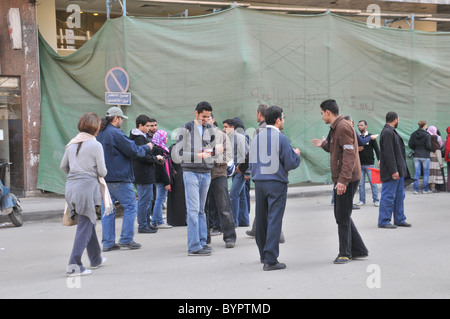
(11, 134)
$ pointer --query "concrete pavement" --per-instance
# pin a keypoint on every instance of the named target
(402, 263)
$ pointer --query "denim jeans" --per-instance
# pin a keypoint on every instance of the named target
(145, 203)
(122, 192)
(238, 200)
(196, 187)
(362, 184)
(392, 197)
(420, 162)
(161, 194)
(350, 242)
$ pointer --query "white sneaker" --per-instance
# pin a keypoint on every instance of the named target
(416, 193)
(101, 264)
(427, 192)
(360, 203)
(376, 204)
(77, 273)
(164, 226)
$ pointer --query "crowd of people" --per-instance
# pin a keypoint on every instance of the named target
(139, 171)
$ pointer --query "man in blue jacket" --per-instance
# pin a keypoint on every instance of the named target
(271, 157)
(119, 150)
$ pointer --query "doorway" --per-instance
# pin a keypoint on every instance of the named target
(11, 134)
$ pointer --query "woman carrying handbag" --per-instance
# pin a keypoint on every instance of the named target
(84, 164)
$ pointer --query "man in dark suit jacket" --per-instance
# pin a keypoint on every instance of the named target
(393, 171)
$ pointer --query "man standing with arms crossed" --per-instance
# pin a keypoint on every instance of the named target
(367, 161)
(271, 157)
(345, 173)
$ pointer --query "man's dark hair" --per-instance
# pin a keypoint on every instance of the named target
(364, 121)
(203, 106)
(262, 109)
(330, 105)
(142, 120)
(230, 122)
(272, 114)
(152, 120)
(391, 116)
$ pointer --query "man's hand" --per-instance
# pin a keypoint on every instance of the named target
(318, 143)
(219, 149)
(204, 155)
(340, 188)
(297, 151)
(150, 145)
(395, 176)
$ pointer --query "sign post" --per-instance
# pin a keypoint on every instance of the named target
(117, 83)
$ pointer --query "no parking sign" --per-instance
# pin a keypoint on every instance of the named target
(117, 83)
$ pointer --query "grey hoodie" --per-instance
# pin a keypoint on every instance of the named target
(190, 143)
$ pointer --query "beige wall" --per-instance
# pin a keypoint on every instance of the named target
(46, 17)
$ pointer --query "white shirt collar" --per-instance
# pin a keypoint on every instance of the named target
(271, 126)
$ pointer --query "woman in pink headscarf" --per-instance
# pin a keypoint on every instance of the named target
(163, 176)
(447, 157)
(436, 180)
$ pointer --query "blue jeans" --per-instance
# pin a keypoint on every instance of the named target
(123, 193)
(145, 203)
(418, 163)
(238, 201)
(362, 184)
(161, 194)
(196, 187)
(392, 198)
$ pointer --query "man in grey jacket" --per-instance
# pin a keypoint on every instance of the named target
(194, 151)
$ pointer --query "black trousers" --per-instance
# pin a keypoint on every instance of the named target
(270, 203)
(218, 202)
(350, 242)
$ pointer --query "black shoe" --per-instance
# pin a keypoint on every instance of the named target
(229, 244)
(147, 231)
(276, 266)
(389, 226)
(207, 248)
(115, 247)
(200, 252)
(340, 260)
(405, 224)
(131, 245)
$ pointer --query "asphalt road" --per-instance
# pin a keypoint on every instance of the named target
(402, 263)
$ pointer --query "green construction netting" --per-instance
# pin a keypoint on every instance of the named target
(239, 58)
